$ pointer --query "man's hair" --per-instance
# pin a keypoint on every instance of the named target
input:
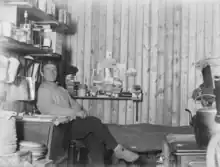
(49, 62)
(46, 63)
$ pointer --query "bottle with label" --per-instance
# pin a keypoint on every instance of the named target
(27, 27)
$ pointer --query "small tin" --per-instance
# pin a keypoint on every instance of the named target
(82, 90)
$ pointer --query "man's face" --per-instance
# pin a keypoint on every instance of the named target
(50, 72)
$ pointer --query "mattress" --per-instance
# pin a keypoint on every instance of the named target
(145, 137)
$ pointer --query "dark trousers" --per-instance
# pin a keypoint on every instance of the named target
(95, 135)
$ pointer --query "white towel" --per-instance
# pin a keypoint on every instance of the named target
(4, 63)
(13, 69)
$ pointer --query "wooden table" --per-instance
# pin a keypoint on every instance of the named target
(134, 99)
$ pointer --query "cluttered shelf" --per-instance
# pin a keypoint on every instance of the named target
(13, 45)
(106, 98)
(40, 16)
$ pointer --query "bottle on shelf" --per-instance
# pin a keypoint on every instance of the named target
(47, 42)
(27, 27)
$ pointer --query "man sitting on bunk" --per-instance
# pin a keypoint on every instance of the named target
(55, 100)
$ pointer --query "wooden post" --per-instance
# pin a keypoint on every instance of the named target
(192, 52)
(161, 63)
(102, 50)
(116, 49)
(176, 65)
(184, 117)
(208, 32)
(109, 115)
(153, 60)
(200, 44)
(138, 55)
(80, 44)
(167, 113)
(216, 29)
(145, 62)
(131, 56)
(123, 57)
(87, 49)
(94, 46)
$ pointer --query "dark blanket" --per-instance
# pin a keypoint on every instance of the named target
(145, 137)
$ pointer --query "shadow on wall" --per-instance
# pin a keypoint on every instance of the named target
(68, 50)
(73, 27)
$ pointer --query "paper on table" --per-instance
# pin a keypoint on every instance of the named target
(180, 137)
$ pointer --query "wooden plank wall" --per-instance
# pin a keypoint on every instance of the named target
(162, 39)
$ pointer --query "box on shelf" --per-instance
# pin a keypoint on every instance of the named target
(56, 41)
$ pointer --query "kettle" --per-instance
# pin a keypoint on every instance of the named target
(203, 122)
(206, 120)
(204, 125)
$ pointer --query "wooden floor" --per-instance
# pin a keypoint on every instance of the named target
(145, 160)
(122, 164)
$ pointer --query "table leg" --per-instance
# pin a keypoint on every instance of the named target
(137, 111)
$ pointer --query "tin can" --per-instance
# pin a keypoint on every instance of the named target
(82, 90)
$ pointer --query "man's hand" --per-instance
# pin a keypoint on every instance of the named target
(81, 114)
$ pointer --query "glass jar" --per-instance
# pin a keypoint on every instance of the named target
(82, 90)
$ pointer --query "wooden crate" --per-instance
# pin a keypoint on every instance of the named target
(182, 151)
(43, 163)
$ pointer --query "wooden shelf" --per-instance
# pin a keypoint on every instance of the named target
(49, 56)
(40, 17)
(12, 45)
(106, 98)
